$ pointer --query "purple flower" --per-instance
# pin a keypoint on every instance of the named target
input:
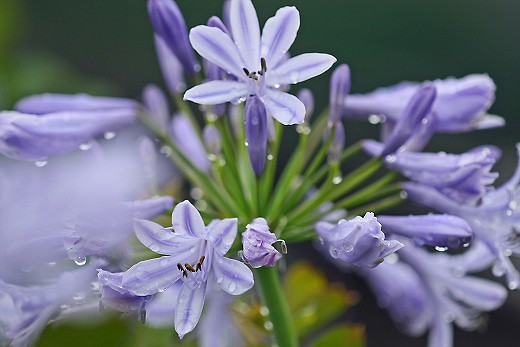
(212, 140)
(461, 104)
(305, 96)
(463, 177)
(156, 105)
(257, 243)
(186, 138)
(256, 133)
(168, 23)
(52, 103)
(339, 89)
(36, 137)
(256, 61)
(358, 241)
(193, 253)
(171, 68)
(495, 220)
(432, 230)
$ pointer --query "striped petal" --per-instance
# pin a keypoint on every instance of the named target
(189, 308)
(216, 92)
(246, 32)
(279, 33)
(284, 107)
(300, 68)
(233, 276)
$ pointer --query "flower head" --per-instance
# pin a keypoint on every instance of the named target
(256, 61)
(194, 254)
(358, 241)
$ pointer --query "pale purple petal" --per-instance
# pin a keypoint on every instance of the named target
(160, 311)
(222, 235)
(156, 105)
(187, 139)
(171, 67)
(217, 47)
(338, 91)
(246, 32)
(216, 92)
(153, 275)
(432, 230)
(212, 139)
(51, 103)
(479, 293)
(284, 107)
(189, 308)
(233, 276)
(278, 34)
(162, 240)
(150, 208)
(300, 68)
(306, 97)
(186, 220)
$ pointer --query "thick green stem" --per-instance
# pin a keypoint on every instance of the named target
(275, 300)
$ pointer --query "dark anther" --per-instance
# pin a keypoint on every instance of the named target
(189, 267)
(263, 65)
(201, 260)
(246, 71)
(184, 273)
(198, 267)
(179, 266)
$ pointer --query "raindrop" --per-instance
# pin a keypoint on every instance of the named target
(509, 213)
(348, 247)
(465, 245)
(303, 129)
(142, 316)
(201, 205)
(337, 180)
(268, 325)
(391, 158)
(246, 143)
(212, 157)
(40, 163)
(374, 119)
(507, 252)
(440, 249)
(220, 280)
(79, 297)
(276, 85)
(513, 205)
(85, 146)
(403, 195)
(497, 269)
(109, 135)
(196, 193)
(166, 151)
(80, 261)
(512, 285)
(269, 157)
(334, 253)
(294, 77)
(264, 311)
(232, 287)
(321, 240)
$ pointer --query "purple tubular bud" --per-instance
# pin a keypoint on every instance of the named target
(148, 156)
(305, 96)
(410, 122)
(171, 67)
(189, 142)
(338, 143)
(339, 89)
(51, 103)
(156, 105)
(358, 241)
(257, 240)
(212, 139)
(441, 230)
(256, 133)
(31, 137)
(169, 24)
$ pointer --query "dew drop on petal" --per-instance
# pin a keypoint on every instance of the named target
(166, 151)
(440, 249)
(40, 163)
(391, 158)
(337, 180)
(512, 285)
(268, 325)
(403, 195)
(264, 311)
(497, 269)
(80, 261)
(232, 287)
(220, 280)
(269, 157)
(334, 253)
(109, 135)
(85, 146)
(348, 247)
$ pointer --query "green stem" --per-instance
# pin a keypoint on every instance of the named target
(274, 299)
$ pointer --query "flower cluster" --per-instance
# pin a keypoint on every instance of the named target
(75, 196)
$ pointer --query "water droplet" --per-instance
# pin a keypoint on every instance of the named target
(348, 247)
(80, 261)
(509, 213)
(507, 252)
(196, 193)
(85, 146)
(334, 253)
(337, 180)
(512, 285)
(321, 240)
(513, 205)
(498, 269)
(142, 275)
(246, 143)
(51, 264)
(232, 286)
(453, 242)
(109, 135)
(201, 205)
(391, 158)
(374, 119)
(142, 316)
(465, 245)
(220, 280)
(40, 163)
(268, 325)
(269, 157)
(264, 311)
(212, 157)
(403, 195)
(440, 249)
(392, 258)
(166, 151)
(276, 85)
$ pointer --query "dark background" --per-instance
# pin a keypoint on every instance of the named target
(106, 47)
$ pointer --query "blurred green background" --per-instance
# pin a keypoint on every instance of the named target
(106, 47)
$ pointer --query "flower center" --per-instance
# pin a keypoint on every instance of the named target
(187, 268)
(255, 75)
(256, 84)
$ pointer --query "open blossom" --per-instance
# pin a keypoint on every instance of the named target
(194, 254)
(358, 241)
(258, 244)
(256, 61)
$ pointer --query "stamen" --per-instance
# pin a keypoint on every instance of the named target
(201, 260)
(263, 63)
(189, 267)
(179, 266)
(246, 71)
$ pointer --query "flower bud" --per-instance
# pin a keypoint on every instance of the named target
(339, 89)
(171, 67)
(256, 133)
(257, 240)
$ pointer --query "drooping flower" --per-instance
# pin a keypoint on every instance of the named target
(461, 104)
(193, 253)
(257, 243)
(256, 61)
(358, 241)
(463, 177)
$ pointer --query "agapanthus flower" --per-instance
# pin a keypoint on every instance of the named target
(256, 61)
(463, 177)
(194, 254)
(256, 133)
(186, 138)
(461, 104)
(257, 243)
(171, 68)
(358, 241)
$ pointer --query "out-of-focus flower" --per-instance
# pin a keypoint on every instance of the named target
(461, 104)
(358, 241)
(338, 91)
(256, 133)
(257, 243)
(193, 254)
(186, 138)
(256, 61)
(171, 67)
(156, 105)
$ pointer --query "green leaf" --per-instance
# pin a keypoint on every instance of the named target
(344, 335)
